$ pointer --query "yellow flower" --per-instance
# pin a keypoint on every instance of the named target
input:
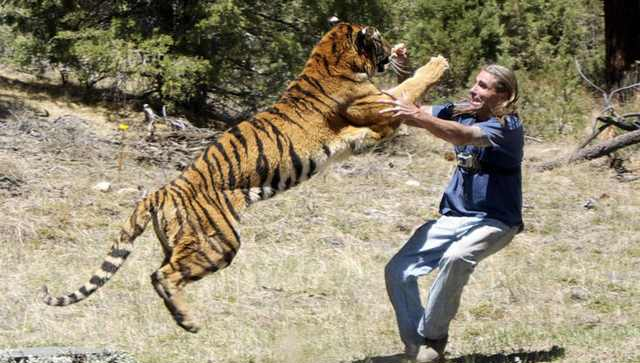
(123, 127)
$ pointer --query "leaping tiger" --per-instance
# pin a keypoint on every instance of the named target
(328, 111)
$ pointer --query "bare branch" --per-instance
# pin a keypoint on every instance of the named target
(293, 26)
(589, 81)
(624, 88)
(618, 122)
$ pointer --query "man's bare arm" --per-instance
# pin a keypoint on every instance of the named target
(453, 132)
(364, 112)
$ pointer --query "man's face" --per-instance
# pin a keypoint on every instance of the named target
(483, 96)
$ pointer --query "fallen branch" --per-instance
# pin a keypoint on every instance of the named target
(592, 137)
(176, 147)
(627, 178)
(595, 151)
(619, 122)
(607, 118)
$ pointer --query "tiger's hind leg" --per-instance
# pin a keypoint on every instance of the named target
(190, 261)
(161, 234)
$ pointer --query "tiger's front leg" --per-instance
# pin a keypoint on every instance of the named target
(364, 111)
(422, 80)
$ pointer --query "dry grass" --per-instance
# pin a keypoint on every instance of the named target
(308, 285)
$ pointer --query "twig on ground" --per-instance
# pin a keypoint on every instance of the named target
(535, 139)
(627, 178)
(178, 147)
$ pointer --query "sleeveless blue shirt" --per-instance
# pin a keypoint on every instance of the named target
(494, 189)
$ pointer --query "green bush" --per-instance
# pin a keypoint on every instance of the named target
(466, 32)
(539, 39)
(96, 55)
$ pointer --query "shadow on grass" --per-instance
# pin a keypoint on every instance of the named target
(519, 357)
(111, 99)
(69, 92)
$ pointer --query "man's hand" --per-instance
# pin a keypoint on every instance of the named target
(401, 106)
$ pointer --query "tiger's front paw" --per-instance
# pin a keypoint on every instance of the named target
(431, 72)
(439, 61)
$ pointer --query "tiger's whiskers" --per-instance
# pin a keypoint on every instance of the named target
(397, 67)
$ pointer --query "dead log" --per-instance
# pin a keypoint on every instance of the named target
(595, 151)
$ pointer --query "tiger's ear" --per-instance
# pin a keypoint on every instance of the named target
(366, 38)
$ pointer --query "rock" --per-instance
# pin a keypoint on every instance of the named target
(10, 182)
(412, 183)
(103, 186)
(579, 294)
(589, 204)
(41, 112)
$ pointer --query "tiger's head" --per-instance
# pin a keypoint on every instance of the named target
(354, 48)
(375, 51)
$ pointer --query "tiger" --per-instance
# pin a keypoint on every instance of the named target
(331, 110)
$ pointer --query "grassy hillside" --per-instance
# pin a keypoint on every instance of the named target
(307, 285)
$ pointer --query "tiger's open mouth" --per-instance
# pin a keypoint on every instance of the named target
(382, 65)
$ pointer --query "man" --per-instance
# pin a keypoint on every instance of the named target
(480, 209)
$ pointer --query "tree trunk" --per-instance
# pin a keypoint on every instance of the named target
(622, 39)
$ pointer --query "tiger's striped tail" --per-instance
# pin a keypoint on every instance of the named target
(120, 250)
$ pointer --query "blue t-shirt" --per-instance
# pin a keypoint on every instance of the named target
(494, 190)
